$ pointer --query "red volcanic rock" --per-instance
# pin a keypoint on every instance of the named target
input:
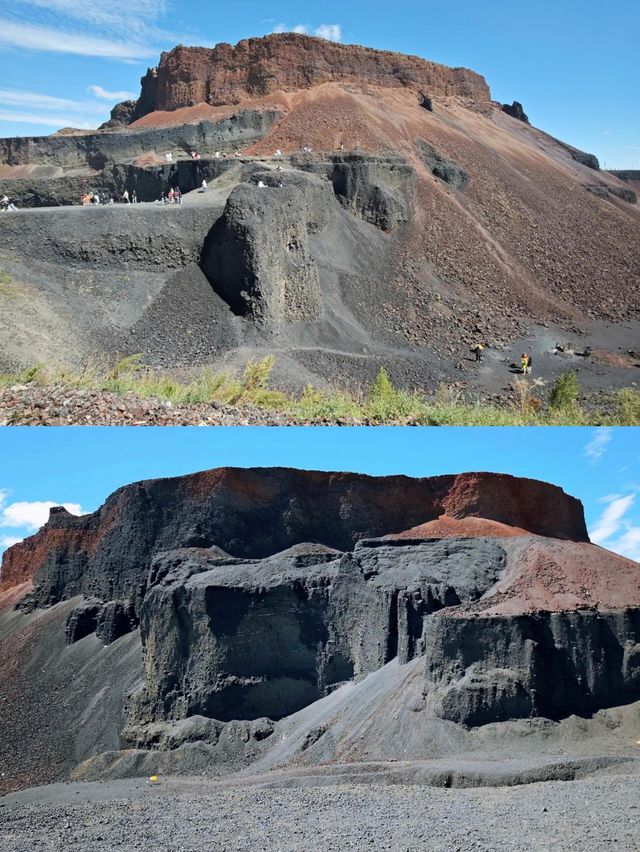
(446, 527)
(258, 512)
(288, 62)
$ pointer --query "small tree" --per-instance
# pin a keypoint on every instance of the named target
(564, 393)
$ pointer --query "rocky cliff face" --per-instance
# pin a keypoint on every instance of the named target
(232, 639)
(550, 664)
(287, 62)
(253, 513)
(259, 592)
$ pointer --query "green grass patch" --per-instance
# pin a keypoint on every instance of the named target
(380, 404)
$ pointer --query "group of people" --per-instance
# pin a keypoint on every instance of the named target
(92, 198)
(526, 361)
(129, 199)
(174, 196)
(5, 204)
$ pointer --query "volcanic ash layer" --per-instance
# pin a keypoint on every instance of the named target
(277, 605)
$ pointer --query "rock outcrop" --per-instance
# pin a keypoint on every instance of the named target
(253, 513)
(234, 639)
(287, 62)
(549, 664)
(97, 150)
(442, 167)
(258, 257)
(516, 110)
(258, 593)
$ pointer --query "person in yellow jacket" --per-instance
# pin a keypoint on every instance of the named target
(524, 363)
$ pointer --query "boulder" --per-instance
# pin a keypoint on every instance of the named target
(442, 167)
(515, 110)
(258, 257)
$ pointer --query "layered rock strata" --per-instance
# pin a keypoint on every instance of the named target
(257, 67)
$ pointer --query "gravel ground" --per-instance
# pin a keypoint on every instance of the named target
(179, 816)
(34, 405)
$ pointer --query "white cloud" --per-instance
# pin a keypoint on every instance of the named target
(628, 544)
(330, 32)
(7, 541)
(115, 12)
(611, 520)
(31, 515)
(27, 36)
(105, 95)
(23, 99)
(598, 444)
(47, 120)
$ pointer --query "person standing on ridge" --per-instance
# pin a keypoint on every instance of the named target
(478, 349)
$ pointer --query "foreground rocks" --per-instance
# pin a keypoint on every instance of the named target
(31, 405)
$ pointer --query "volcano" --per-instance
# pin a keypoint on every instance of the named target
(248, 620)
(364, 209)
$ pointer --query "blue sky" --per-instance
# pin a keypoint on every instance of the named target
(80, 467)
(573, 63)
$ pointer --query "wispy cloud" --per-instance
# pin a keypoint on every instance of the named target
(598, 444)
(629, 544)
(105, 95)
(26, 36)
(115, 13)
(20, 98)
(47, 120)
(610, 522)
(330, 32)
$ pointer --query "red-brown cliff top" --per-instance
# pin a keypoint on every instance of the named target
(336, 509)
(256, 67)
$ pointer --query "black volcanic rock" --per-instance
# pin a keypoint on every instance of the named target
(82, 620)
(258, 257)
(374, 188)
(121, 115)
(488, 669)
(442, 167)
(426, 102)
(232, 639)
(515, 110)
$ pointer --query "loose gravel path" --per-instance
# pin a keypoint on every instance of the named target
(178, 815)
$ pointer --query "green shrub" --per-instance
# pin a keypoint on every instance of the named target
(628, 404)
(565, 391)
